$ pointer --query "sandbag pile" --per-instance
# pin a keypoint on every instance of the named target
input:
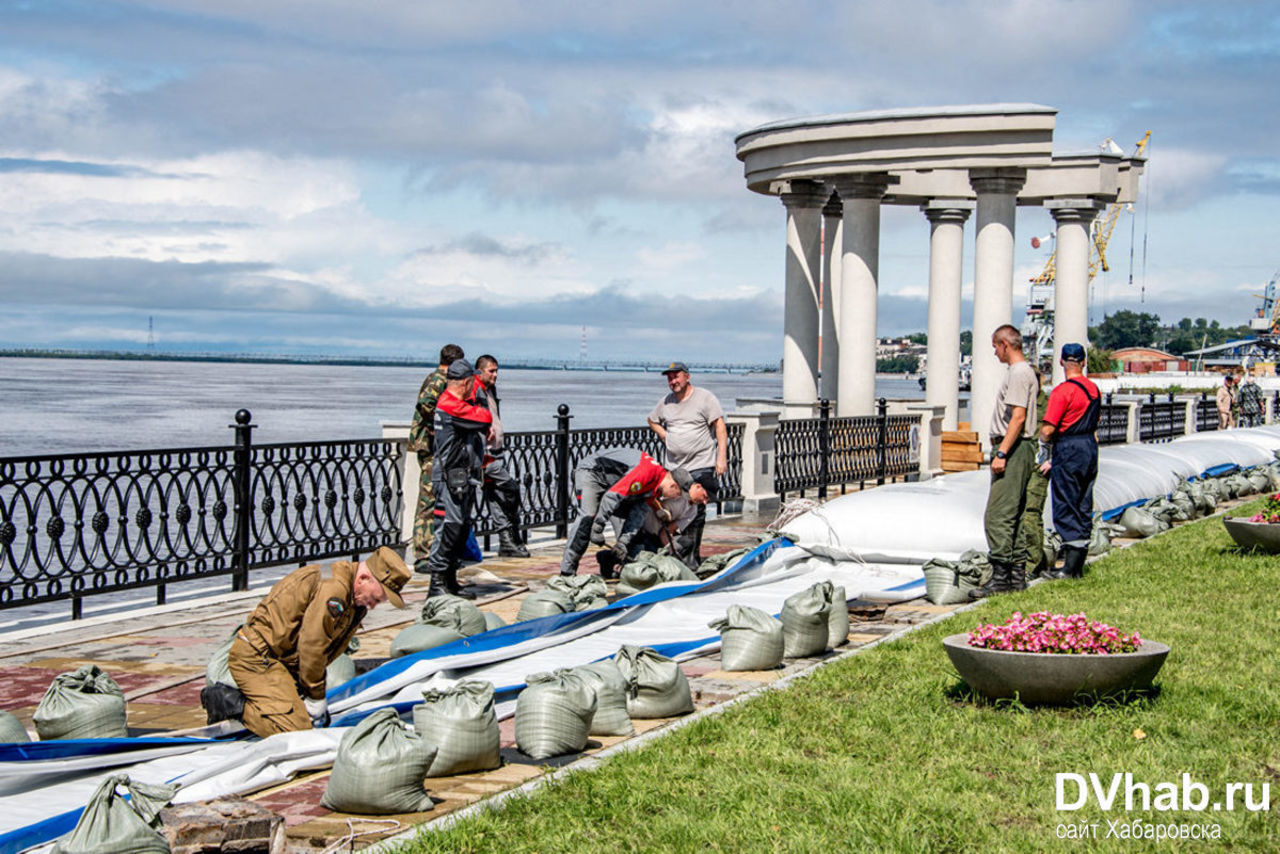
(586, 592)
(1139, 522)
(948, 582)
(545, 603)
(610, 685)
(86, 703)
(444, 619)
(553, 714)
(647, 569)
(379, 769)
(11, 730)
(112, 822)
(806, 618)
(750, 639)
(656, 686)
(461, 723)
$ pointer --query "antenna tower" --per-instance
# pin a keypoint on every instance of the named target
(151, 332)
(582, 353)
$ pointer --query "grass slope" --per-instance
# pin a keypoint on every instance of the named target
(884, 751)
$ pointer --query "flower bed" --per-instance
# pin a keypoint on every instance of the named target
(1054, 634)
(1270, 511)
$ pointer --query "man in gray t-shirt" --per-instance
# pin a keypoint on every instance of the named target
(690, 423)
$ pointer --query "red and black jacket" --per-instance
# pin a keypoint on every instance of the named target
(460, 429)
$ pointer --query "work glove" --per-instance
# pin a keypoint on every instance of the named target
(1044, 453)
(597, 535)
(318, 711)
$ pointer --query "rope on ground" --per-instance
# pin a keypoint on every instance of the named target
(353, 834)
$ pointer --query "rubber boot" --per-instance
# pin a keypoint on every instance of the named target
(509, 545)
(1073, 558)
(452, 586)
(438, 586)
(999, 582)
(1017, 577)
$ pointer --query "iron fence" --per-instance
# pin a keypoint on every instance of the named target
(1113, 423)
(1160, 421)
(1206, 413)
(825, 451)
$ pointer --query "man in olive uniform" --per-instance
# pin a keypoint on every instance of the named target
(422, 440)
(278, 658)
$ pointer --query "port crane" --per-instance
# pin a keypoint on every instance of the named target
(1039, 322)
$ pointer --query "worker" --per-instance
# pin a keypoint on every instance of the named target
(279, 656)
(1068, 453)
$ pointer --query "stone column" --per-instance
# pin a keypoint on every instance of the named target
(800, 320)
(997, 191)
(1071, 275)
(946, 257)
(931, 426)
(859, 269)
(759, 458)
(832, 250)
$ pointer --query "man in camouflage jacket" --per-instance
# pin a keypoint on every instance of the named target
(422, 440)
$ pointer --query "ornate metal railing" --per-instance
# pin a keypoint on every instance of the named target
(1113, 423)
(1160, 421)
(1206, 413)
(825, 451)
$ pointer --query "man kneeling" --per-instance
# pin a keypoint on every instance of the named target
(278, 658)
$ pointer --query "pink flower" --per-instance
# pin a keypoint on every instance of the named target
(1055, 634)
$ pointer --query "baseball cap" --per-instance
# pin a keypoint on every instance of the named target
(682, 478)
(676, 367)
(460, 369)
(391, 572)
(1072, 353)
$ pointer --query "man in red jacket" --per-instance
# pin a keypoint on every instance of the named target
(1069, 455)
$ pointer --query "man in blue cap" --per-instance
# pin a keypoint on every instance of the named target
(1069, 454)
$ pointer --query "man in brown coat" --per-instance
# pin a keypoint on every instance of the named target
(278, 658)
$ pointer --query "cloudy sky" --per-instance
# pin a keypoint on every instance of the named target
(378, 178)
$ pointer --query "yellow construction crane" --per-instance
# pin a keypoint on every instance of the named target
(1101, 235)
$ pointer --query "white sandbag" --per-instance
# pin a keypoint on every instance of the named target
(379, 769)
(611, 716)
(750, 639)
(461, 723)
(553, 714)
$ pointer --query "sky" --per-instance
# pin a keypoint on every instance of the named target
(378, 179)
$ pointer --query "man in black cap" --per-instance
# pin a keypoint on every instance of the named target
(461, 425)
(1068, 452)
(690, 423)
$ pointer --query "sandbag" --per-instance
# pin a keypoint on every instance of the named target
(544, 603)
(453, 612)
(379, 769)
(553, 714)
(716, 564)
(838, 618)
(750, 639)
(86, 703)
(611, 716)
(647, 569)
(11, 730)
(1141, 523)
(417, 637)
(461, 723)
(216, 672)
(656, 686)
(1099, 540)
(1182, 499)
(112, 823)
(805, 617)
(948, 582)
(493, 621)
(586, 592)
(1052, 547)
(1260, 479)
(341, 669)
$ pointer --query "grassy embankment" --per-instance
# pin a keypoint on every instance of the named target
(884, 751)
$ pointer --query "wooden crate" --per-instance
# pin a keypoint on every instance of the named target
(961, 450)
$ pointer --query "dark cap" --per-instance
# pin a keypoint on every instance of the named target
(675, 368)
(460, 370)
(1072, 353)
(682, 478)
(391, 572)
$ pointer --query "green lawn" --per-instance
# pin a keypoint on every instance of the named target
(884, 751)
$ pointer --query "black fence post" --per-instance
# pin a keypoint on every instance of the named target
(824, 446)
(562, 470)
(243, 501)
(882, 442)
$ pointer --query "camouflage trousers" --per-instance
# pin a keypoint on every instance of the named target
(1031, 531)
(423, 523)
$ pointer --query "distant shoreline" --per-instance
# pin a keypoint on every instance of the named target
(370, 362)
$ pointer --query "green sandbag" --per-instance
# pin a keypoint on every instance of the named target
(1182, 499)
(805, 617)
(379, 769)
(838, 619)
(216, 671)
(553, 714)
(611, 716)
(1141, 523)
(416, 637)
(750, 639)
(719, 563)
(948, 582)
(656, 686)
(493, 621)
(1099, 541)
(647, 569)
(587, 592)
(1260, 479)
(84, 704)
(1242, 484)
(11, 730)
(544, 603)
(1052, 548)
(110, 822)
(341, 669)
(461, 723)
(453, 612)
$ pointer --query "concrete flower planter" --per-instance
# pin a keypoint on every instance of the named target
(1038, 677)
(1262, 536)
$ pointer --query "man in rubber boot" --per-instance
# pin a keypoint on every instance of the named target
(611, 483)
(501, 489)
(279, 656)
(422, 440)
(1013, 458)
(462, 424)
(1069, 455)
